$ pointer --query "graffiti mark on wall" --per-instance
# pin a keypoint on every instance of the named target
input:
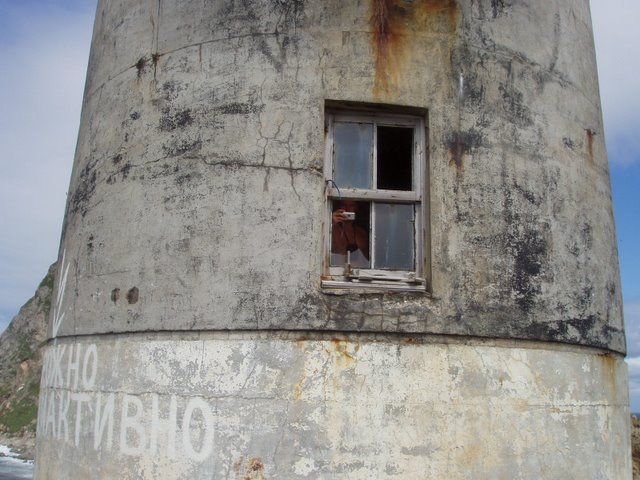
(74, 410)
(58, 313)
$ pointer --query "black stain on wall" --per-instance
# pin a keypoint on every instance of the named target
(237, 108)
(85, 188)
(513, 103)
(460, 144)
(182, 147)
(529, 251)
(170, 121)
(498, 8)
(141, 66)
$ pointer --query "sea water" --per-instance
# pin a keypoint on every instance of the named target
(12, 468)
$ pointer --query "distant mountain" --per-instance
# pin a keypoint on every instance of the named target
(20, 368)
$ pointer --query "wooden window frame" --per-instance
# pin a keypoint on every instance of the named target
(375, 279)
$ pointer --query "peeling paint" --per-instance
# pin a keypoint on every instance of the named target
(115, 401)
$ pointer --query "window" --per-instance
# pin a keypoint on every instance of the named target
(375, 228)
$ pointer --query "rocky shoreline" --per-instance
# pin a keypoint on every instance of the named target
(24, 447)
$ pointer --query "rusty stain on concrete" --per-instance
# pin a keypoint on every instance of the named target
(115, 295)
(297, 391)
(462, 144)
(610, 368)
(255, 470)
(133, 295)
(237, 467)
(342, 348)
(393, 23)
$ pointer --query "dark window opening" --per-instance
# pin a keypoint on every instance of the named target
(395, 154)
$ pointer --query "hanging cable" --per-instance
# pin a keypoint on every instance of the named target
(327, 182)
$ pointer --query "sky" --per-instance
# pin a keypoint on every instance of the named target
(44, 47)
(617, 40)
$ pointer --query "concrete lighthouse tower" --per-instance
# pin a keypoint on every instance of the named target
(355, 239)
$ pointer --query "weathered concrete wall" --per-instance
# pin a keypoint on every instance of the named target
(198, 174)
(251, 406)
(196, 204)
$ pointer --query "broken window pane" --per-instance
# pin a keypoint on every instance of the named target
(350, 233)
(395, 236)
(395, 152)
(352, 153)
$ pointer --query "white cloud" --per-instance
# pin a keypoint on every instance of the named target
(41, 85)
(617, 39)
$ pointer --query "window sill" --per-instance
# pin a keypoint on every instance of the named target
(339, 286)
